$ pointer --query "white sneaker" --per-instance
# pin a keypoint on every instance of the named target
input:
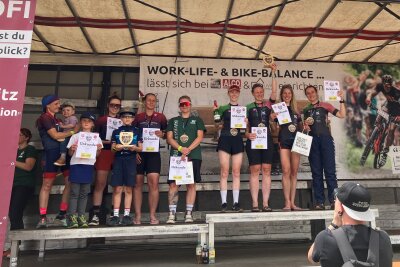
(188, 217)
(171, 218)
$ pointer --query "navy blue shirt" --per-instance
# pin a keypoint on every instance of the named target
(137, 137)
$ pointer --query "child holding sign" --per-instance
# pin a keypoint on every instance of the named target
(126, 141)
(82, 169)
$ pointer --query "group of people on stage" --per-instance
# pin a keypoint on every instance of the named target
(129, 164)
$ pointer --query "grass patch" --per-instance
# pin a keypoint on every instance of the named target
(353, 156)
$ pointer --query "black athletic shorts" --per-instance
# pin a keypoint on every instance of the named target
(231, 144)
(260, 156)
(286, 143)
(196, 171)
(151, 163)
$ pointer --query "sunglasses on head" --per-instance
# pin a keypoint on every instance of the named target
(184, 104)
(115, 106)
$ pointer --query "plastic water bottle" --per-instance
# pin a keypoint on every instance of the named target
(204, 254)
(211, 256)
(199, 253)
(217, 117)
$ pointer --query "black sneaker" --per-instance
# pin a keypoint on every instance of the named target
(319, 207)
(113, 221)
(236, 207)
(126, 220)
(95, 221)
(224, 207)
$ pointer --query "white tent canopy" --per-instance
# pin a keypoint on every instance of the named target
(307, 30)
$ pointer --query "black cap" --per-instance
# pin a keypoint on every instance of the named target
(356, 201)
(127, 110)
(88, 115)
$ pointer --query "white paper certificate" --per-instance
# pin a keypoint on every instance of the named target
(151, 142)
(87, 145)
(282, 113)
(177, 169)
(261, 141)
(331, 88)
(112, 124)
(238, 117)
(189, 175)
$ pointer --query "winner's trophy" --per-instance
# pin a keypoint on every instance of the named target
(268, 60)
(126, 139)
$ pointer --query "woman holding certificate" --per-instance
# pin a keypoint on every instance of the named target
(230, 145)
(259, 146)
(104, 126)
(322, 153)
(184, 134)
(152, 125)
(289, 160)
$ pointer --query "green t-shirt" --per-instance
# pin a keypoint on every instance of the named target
(22, 177)
(180, 126)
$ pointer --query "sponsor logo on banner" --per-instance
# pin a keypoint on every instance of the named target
(226, 83)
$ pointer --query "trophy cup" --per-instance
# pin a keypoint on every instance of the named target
(126, 139)
(268, 60)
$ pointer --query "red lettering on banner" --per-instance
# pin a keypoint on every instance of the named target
(226, 83)
(16, 24)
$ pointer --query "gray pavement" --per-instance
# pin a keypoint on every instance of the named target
(232, 254)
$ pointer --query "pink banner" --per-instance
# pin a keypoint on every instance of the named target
(16, 24)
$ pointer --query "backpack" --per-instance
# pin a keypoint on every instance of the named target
(347, 252)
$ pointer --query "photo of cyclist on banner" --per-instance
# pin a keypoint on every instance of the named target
(373, 121)
(388, 118)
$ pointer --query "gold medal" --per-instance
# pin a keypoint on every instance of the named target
(234, 131)
(261, 124)
(310, 120)
(126, 138)
(184, 138)
(292, 128)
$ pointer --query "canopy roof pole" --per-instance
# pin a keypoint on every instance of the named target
(267, 35)
(365, 24)
(85, 33)
(319, 24)
(221, 41)
(128, 19)
(43, 40)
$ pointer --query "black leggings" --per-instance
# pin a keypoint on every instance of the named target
(19, 199)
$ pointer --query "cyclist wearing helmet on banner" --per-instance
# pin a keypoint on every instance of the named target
(392, 95)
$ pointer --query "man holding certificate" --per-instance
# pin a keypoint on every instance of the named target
(126, 141)
(152, 125)
(184, 134)
(260, 159)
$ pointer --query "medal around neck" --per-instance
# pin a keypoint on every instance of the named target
(268, 60)
(184, 138)
(310, 120)
(126, 139)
